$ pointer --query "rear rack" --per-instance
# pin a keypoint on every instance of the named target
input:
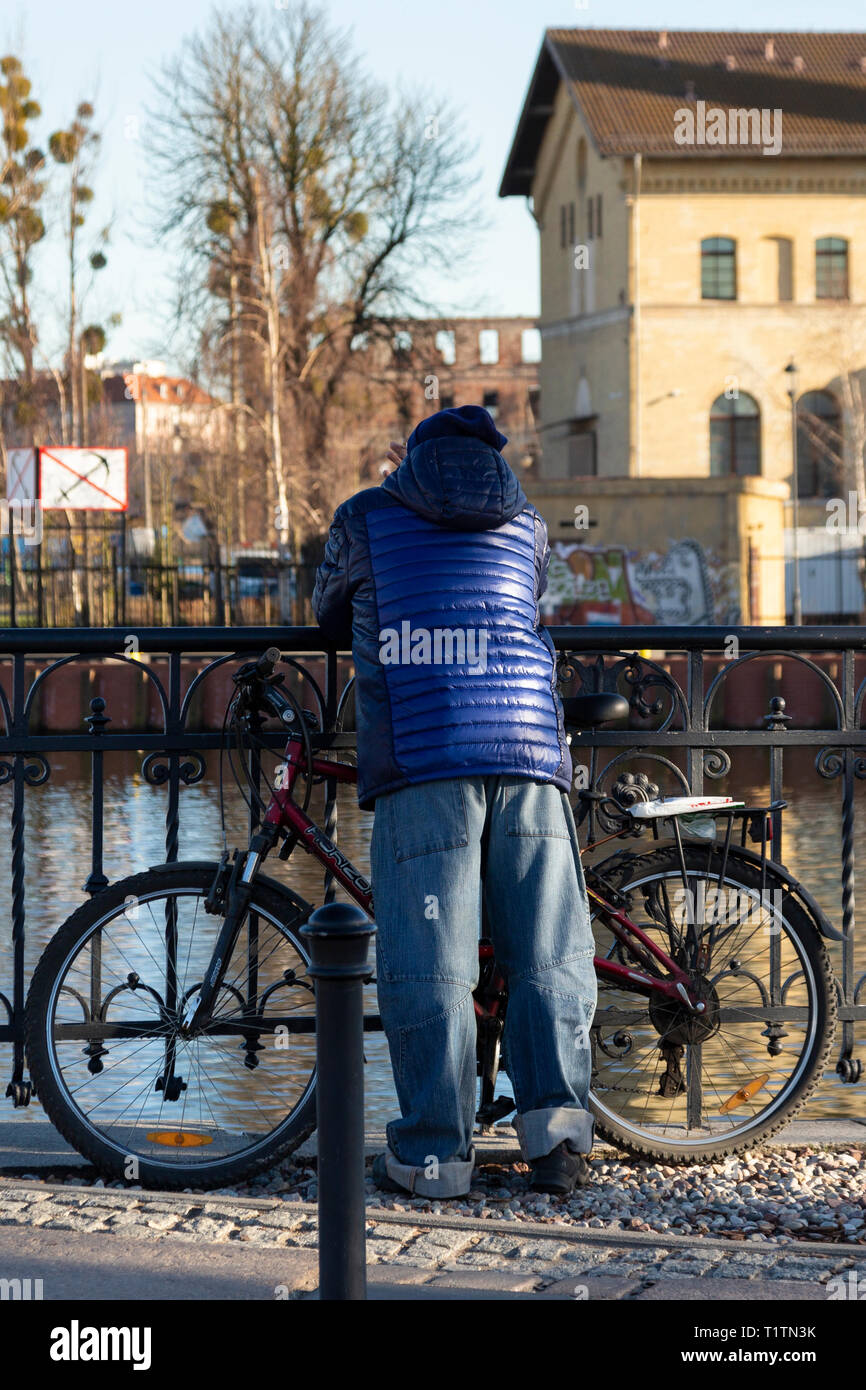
(755, 821)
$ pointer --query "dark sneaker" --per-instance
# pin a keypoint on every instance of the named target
(382, 1178)
(560, 1171)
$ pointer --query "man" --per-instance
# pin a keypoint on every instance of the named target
(434, 579)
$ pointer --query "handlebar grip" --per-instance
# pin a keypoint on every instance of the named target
(266, 664)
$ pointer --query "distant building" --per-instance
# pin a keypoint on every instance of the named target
(155, 416)
(147, 404)
(700, 201)
(414, 367)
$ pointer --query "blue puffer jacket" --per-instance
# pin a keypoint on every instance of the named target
(447, 544)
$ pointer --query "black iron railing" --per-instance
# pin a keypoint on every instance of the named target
(694, 703)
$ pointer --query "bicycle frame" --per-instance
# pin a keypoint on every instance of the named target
(217, 993)
(285, 816)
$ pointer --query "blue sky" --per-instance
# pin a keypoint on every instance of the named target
(479, 54)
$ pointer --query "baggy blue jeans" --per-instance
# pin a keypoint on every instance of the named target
(437, 849)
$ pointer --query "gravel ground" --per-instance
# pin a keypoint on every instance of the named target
(772, 1196)
(106, 1232)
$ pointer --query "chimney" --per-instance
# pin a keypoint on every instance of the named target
(663, 38)
(730, 62)
(799, 62)
(690, 89)
(863, 64)
(769, 50)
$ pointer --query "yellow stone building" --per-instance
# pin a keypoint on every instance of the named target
(701, 206)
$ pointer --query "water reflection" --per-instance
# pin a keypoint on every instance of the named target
(58, 862)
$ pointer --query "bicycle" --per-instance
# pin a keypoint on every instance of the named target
(170, 1023)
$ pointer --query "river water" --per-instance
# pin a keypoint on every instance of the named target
(58, 863)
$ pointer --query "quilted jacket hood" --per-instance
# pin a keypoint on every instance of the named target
(463, 484)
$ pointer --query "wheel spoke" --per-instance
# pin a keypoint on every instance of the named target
(671, 1076)
(212, 1106)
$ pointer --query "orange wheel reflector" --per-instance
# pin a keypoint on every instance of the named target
(178, 1138)
(745, 1093)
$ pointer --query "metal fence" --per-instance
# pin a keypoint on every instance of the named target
(142, 592)
(684, 727)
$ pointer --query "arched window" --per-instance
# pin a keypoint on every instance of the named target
(718, 268)
(819, 445)
(831, 268)
(735, 436)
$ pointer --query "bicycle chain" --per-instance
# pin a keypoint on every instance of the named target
(629, 1090)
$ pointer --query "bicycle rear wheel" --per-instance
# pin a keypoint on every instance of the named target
(110, 1065)
(683, 1087)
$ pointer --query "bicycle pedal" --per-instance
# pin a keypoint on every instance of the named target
(495, 1110)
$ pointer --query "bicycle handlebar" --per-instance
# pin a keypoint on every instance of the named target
(264, 693)
(267, 662)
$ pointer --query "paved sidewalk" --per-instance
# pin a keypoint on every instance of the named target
(139, 1245)
(780, 1224)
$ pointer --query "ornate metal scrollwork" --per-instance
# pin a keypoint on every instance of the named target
(633, 789)
(717, 763)
(618, 1045)
(611, 808)
(632, 675)
(628, 790)
(36, 770)
(830, 762)
(157, 771)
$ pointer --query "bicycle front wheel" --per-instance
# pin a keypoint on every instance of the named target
(681, 1087)
(108, 1060)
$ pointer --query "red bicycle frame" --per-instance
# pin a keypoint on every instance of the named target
(286, 815)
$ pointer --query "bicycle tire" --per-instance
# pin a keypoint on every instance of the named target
(627, 872)
(273, 902)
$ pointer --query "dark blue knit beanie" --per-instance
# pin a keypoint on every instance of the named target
(472, 420)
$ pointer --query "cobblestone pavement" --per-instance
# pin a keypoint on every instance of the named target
(408, 1247)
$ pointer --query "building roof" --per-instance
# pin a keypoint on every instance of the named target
(628, 84)
(154, 390)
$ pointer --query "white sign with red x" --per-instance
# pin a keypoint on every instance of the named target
(83, 479)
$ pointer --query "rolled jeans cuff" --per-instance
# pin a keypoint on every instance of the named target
(454, 1180)
(540, 1131)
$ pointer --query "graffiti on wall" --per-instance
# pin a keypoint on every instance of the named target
(685, 585)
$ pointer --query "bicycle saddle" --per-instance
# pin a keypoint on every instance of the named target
(589, 711)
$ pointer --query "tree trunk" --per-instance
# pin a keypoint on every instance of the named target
(284, 518)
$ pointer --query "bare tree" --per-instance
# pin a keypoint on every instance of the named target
(21, 227)
(74, 148)
(311, 203)
(850, 385)
(838, 442)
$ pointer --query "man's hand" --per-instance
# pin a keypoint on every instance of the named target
(397, 451)
(396, 454)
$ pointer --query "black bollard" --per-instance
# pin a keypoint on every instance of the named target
(339, 937)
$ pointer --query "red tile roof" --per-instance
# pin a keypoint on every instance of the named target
(628, 84)
(178, 390)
